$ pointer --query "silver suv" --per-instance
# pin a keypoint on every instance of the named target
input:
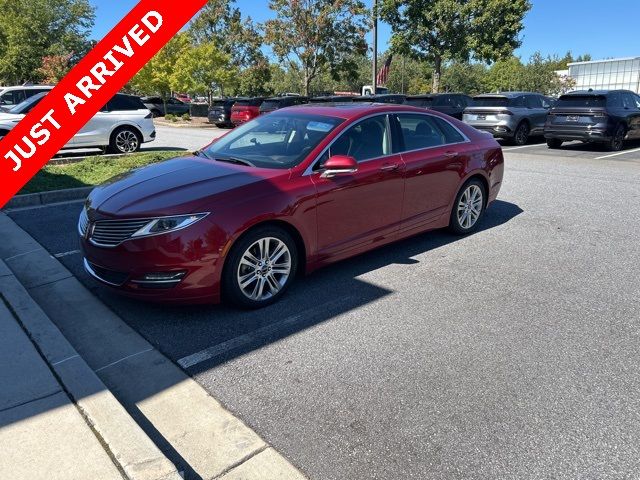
(515, 116)
(121, 126)
(12, 96)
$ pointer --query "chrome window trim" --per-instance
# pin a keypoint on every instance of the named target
(310, 169)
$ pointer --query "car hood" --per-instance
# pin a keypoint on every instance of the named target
(179, 186)
(10, 118)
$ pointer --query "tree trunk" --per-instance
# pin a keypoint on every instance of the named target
(437, 71)
(307, 82)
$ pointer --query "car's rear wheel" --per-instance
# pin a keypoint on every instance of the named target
(554, 143)
(125, 140)
(521, 135)
(260, 267)
(468, 208)
(616, 143)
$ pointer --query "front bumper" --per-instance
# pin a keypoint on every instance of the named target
(179, 267)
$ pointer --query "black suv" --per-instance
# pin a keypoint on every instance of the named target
(276, 103)
(601, 116)
(452, 104)
(381, 98)
(157, 107)
(220, 112)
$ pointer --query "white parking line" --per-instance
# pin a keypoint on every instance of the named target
(523, 146)
(247, 338)
(123, 359)
(67, 254)
(619, 153)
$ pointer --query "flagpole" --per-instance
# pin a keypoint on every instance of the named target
(374, 81)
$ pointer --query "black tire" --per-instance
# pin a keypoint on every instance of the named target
(455, 223)
(233, 269)
(521, 135)
(554, 143)
(122, 140)
(616, 144)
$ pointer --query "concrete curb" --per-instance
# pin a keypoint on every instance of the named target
(127, 444)
(45, 198)
(193, 430)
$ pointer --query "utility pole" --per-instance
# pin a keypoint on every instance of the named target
(374, 81)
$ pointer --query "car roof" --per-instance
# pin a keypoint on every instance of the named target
(505, 94)
(594, 93)
(350, 110)
(434, 95)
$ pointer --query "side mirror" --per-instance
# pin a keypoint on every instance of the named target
(339, 165)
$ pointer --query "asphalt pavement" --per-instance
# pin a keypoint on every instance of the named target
(511, 353)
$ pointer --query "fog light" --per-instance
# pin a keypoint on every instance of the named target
(160, 279)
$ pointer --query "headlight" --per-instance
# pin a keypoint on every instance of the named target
(168, 224)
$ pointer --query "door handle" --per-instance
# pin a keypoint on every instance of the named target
(451, 154)
(389, 167)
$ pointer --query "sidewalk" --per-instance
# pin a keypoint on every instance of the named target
(42, 433)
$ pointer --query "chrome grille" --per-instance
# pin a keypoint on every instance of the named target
(110, 233)
(83, 222)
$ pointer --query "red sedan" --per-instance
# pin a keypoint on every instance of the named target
(288, 192)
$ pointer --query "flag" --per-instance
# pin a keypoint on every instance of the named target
(383, 74)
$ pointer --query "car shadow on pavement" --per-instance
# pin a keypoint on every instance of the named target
(217, 334)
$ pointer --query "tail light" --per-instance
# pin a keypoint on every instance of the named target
(505, 112)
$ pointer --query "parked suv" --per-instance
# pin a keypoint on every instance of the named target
(606, 116)
(276, 103)
(381, 98)
(157, 107)
(12, 96)
(121, 126)
(220, 111)
(245, 110)
(515, 116)
(452, 104)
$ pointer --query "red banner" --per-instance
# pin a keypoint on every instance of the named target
(87, 88)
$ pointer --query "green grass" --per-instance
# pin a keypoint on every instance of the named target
(91, 171)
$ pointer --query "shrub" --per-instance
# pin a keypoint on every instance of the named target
(170, 117)
(186, 117)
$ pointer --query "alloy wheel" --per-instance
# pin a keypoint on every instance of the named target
(522, 134)
(264, 269)
(127, 141)
(470, 206)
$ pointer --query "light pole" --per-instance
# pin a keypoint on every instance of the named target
(374, 81)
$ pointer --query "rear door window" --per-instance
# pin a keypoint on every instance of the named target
(534, 101)
(13, 97)
(518, 102)
(420, 131)
(628, 101)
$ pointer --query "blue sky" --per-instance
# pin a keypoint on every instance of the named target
(602, 28)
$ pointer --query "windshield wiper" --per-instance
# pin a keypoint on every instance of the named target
(236, 161)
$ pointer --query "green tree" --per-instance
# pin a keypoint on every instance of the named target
(437, 31)
(202, 69)
(157, 76)
(54, 68)
(254, 80)
(505, 75)
(318, 35)
(33, 29)
(464, 77)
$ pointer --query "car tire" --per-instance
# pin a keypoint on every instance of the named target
(468, 207)
(521, 135)
(251, 264)
(554, 143)
(125, 140)
(616, 143)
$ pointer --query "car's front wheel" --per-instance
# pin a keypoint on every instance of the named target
(468, 208)
(260, 267)
(125, 140)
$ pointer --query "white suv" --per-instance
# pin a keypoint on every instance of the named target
(121, 126)
(12, 96)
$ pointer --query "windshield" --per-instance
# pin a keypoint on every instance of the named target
(274, 141)
(26, 106)
(581, 101)
(490, 102)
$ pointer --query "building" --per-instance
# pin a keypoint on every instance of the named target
(617, 73)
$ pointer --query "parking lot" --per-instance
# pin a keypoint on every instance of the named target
(511, 353)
